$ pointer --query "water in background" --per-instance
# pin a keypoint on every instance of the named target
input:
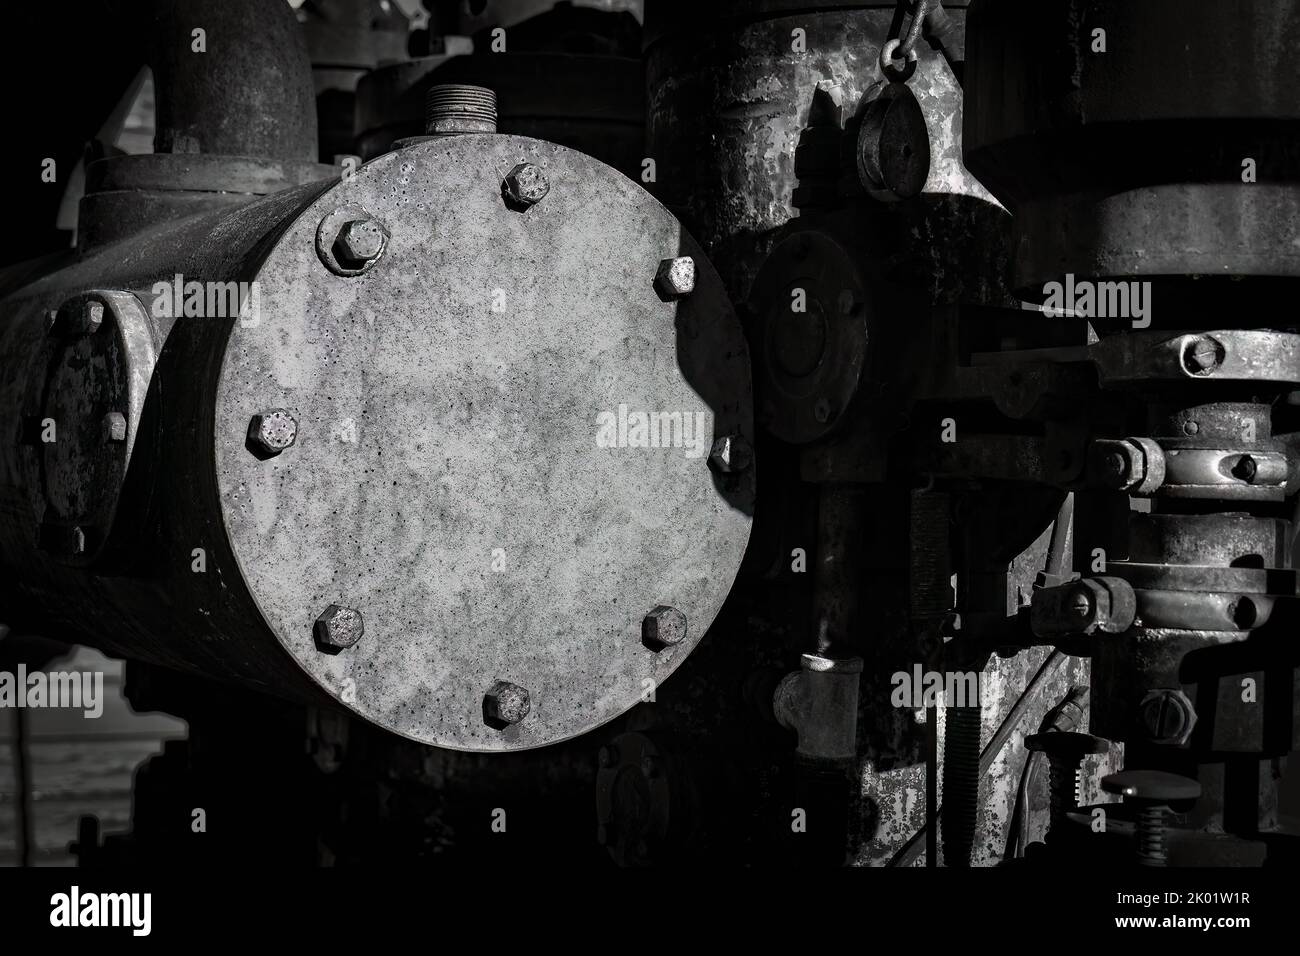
(78, 766)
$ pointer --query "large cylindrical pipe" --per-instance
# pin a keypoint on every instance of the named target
(372, 441)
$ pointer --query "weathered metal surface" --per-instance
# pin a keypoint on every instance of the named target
(248, 90)
(1105, 604)
(1245, 356)
(459, 108)
(448, 480)
(196, 172)
(811, 314)
(1076, 140)
(820, 703)
(730, 99)
(587, 102)
(82, 416)
(727, 105)
(893, 156)
(166, 569)
(1195, 229)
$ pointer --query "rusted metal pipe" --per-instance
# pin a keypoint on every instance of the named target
(233, 78)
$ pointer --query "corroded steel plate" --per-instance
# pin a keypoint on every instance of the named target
(469, 470)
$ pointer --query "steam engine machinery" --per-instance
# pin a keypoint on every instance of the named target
(833, 433)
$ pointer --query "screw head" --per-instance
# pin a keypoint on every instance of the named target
(505, 704)
(338, 628)
(730, 455)
(114, 427)
(525, 186)
(675, 278)
(360, 243)
(1081, 602)
(1203, 354)
(272, 431)
(1167, 716)
(663, 627)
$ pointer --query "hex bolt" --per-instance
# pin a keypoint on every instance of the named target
(1151, 791)
(114, 427)
(524, 187)
(271, 432)
(1065, 751)
(338, 628)
(663, 627)
(360, 243)
(675, 278)
(505, 704)
(1167, 716)
(1203, 354)
(82, 318)
(730, 455)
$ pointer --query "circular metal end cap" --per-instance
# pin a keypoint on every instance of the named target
(501, 506)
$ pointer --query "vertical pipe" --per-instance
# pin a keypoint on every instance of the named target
(23, 774)
(232, 78)
(837, 590)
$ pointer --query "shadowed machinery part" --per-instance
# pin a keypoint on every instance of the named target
(450, 453)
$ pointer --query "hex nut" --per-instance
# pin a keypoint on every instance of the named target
(114, 427)
(730, 455)
(338, 628)
(525, 186)
(349, 240)
(360, 242)
(505, 704)
(675, 278)
(663, 627)
(272, 431)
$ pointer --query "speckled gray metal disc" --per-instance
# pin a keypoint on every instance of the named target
(470, 472)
